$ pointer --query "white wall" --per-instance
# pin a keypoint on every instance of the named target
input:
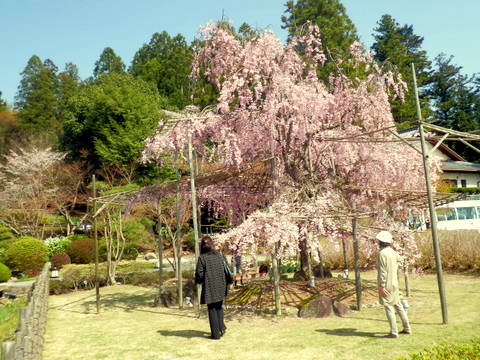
(471, 179)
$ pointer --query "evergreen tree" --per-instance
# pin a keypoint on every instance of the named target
(336, 29)
(398, 47)
(68, 86)
(455, 100)
(36, 99)
(3, 103)
(166, 61)
(109, 119)
(109, 62)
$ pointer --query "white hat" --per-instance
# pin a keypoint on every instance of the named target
(385, 237)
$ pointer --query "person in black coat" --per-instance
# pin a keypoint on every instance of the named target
(210, 274)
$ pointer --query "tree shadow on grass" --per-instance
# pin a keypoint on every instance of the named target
(349, 332)
(126, 302)
(184, 333)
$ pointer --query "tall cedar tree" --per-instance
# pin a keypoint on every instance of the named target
(109, 62)
(398, 47)
(36, 100)
(3, 103)
(337, 31)
(456, 101)
(68, 86)
(166, 62)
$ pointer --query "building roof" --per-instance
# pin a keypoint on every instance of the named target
(413, 132)
(460, 166)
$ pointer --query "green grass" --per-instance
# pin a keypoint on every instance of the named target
(470, 351)
(128, 328)
(9, 314)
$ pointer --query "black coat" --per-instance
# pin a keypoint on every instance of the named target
(211, 274)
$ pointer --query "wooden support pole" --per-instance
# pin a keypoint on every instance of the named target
(431, 207)
(8, 350)
(407, 284)
(193, 193)
(275, 267)
(345, 259)
(95, 237)
(178, 236)
(160, 250)
(276, 282)
(358, 280)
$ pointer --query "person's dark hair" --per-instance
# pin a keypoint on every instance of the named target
(383, 245)
(206, 246)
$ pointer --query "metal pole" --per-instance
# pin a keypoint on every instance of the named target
(433, 218)
(358, 280)
(193, 194)
(95, 237)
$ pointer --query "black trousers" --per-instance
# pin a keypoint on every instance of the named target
(215, 317)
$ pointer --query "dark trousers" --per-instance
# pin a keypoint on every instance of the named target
(215, 317)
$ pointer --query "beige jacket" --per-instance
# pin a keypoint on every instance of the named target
(388, 261)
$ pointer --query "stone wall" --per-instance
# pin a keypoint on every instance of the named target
(32, 324)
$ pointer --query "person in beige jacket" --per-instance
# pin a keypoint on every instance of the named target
(387, 281)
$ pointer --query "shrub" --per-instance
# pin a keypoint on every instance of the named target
(5, 273)
(81, 250)
(4, 245)
(59, 260)
(460, 250)
(57, 287)
(57, 245)
(130, 252)
(83, 275)
(5, 233)
(289, 267)
(470, 351)
(26, 254)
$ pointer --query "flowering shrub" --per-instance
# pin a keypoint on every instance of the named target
(57, 245)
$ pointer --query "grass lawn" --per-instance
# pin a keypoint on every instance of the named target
(128, 328)
(9, 314)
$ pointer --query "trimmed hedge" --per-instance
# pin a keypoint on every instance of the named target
(469, 351)
(5, 273)
(27, 255)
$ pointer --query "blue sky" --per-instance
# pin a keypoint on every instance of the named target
(78, 30)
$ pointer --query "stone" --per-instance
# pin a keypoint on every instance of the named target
(320, 306)
(150, 256)
(340, 309)
(169, 296)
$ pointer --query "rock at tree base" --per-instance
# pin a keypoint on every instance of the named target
(340, 309)
(320, 306)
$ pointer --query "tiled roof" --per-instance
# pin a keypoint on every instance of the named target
(461, 166)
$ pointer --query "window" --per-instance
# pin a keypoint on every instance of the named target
(444, 214)
(466, 213)
(464, 183)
